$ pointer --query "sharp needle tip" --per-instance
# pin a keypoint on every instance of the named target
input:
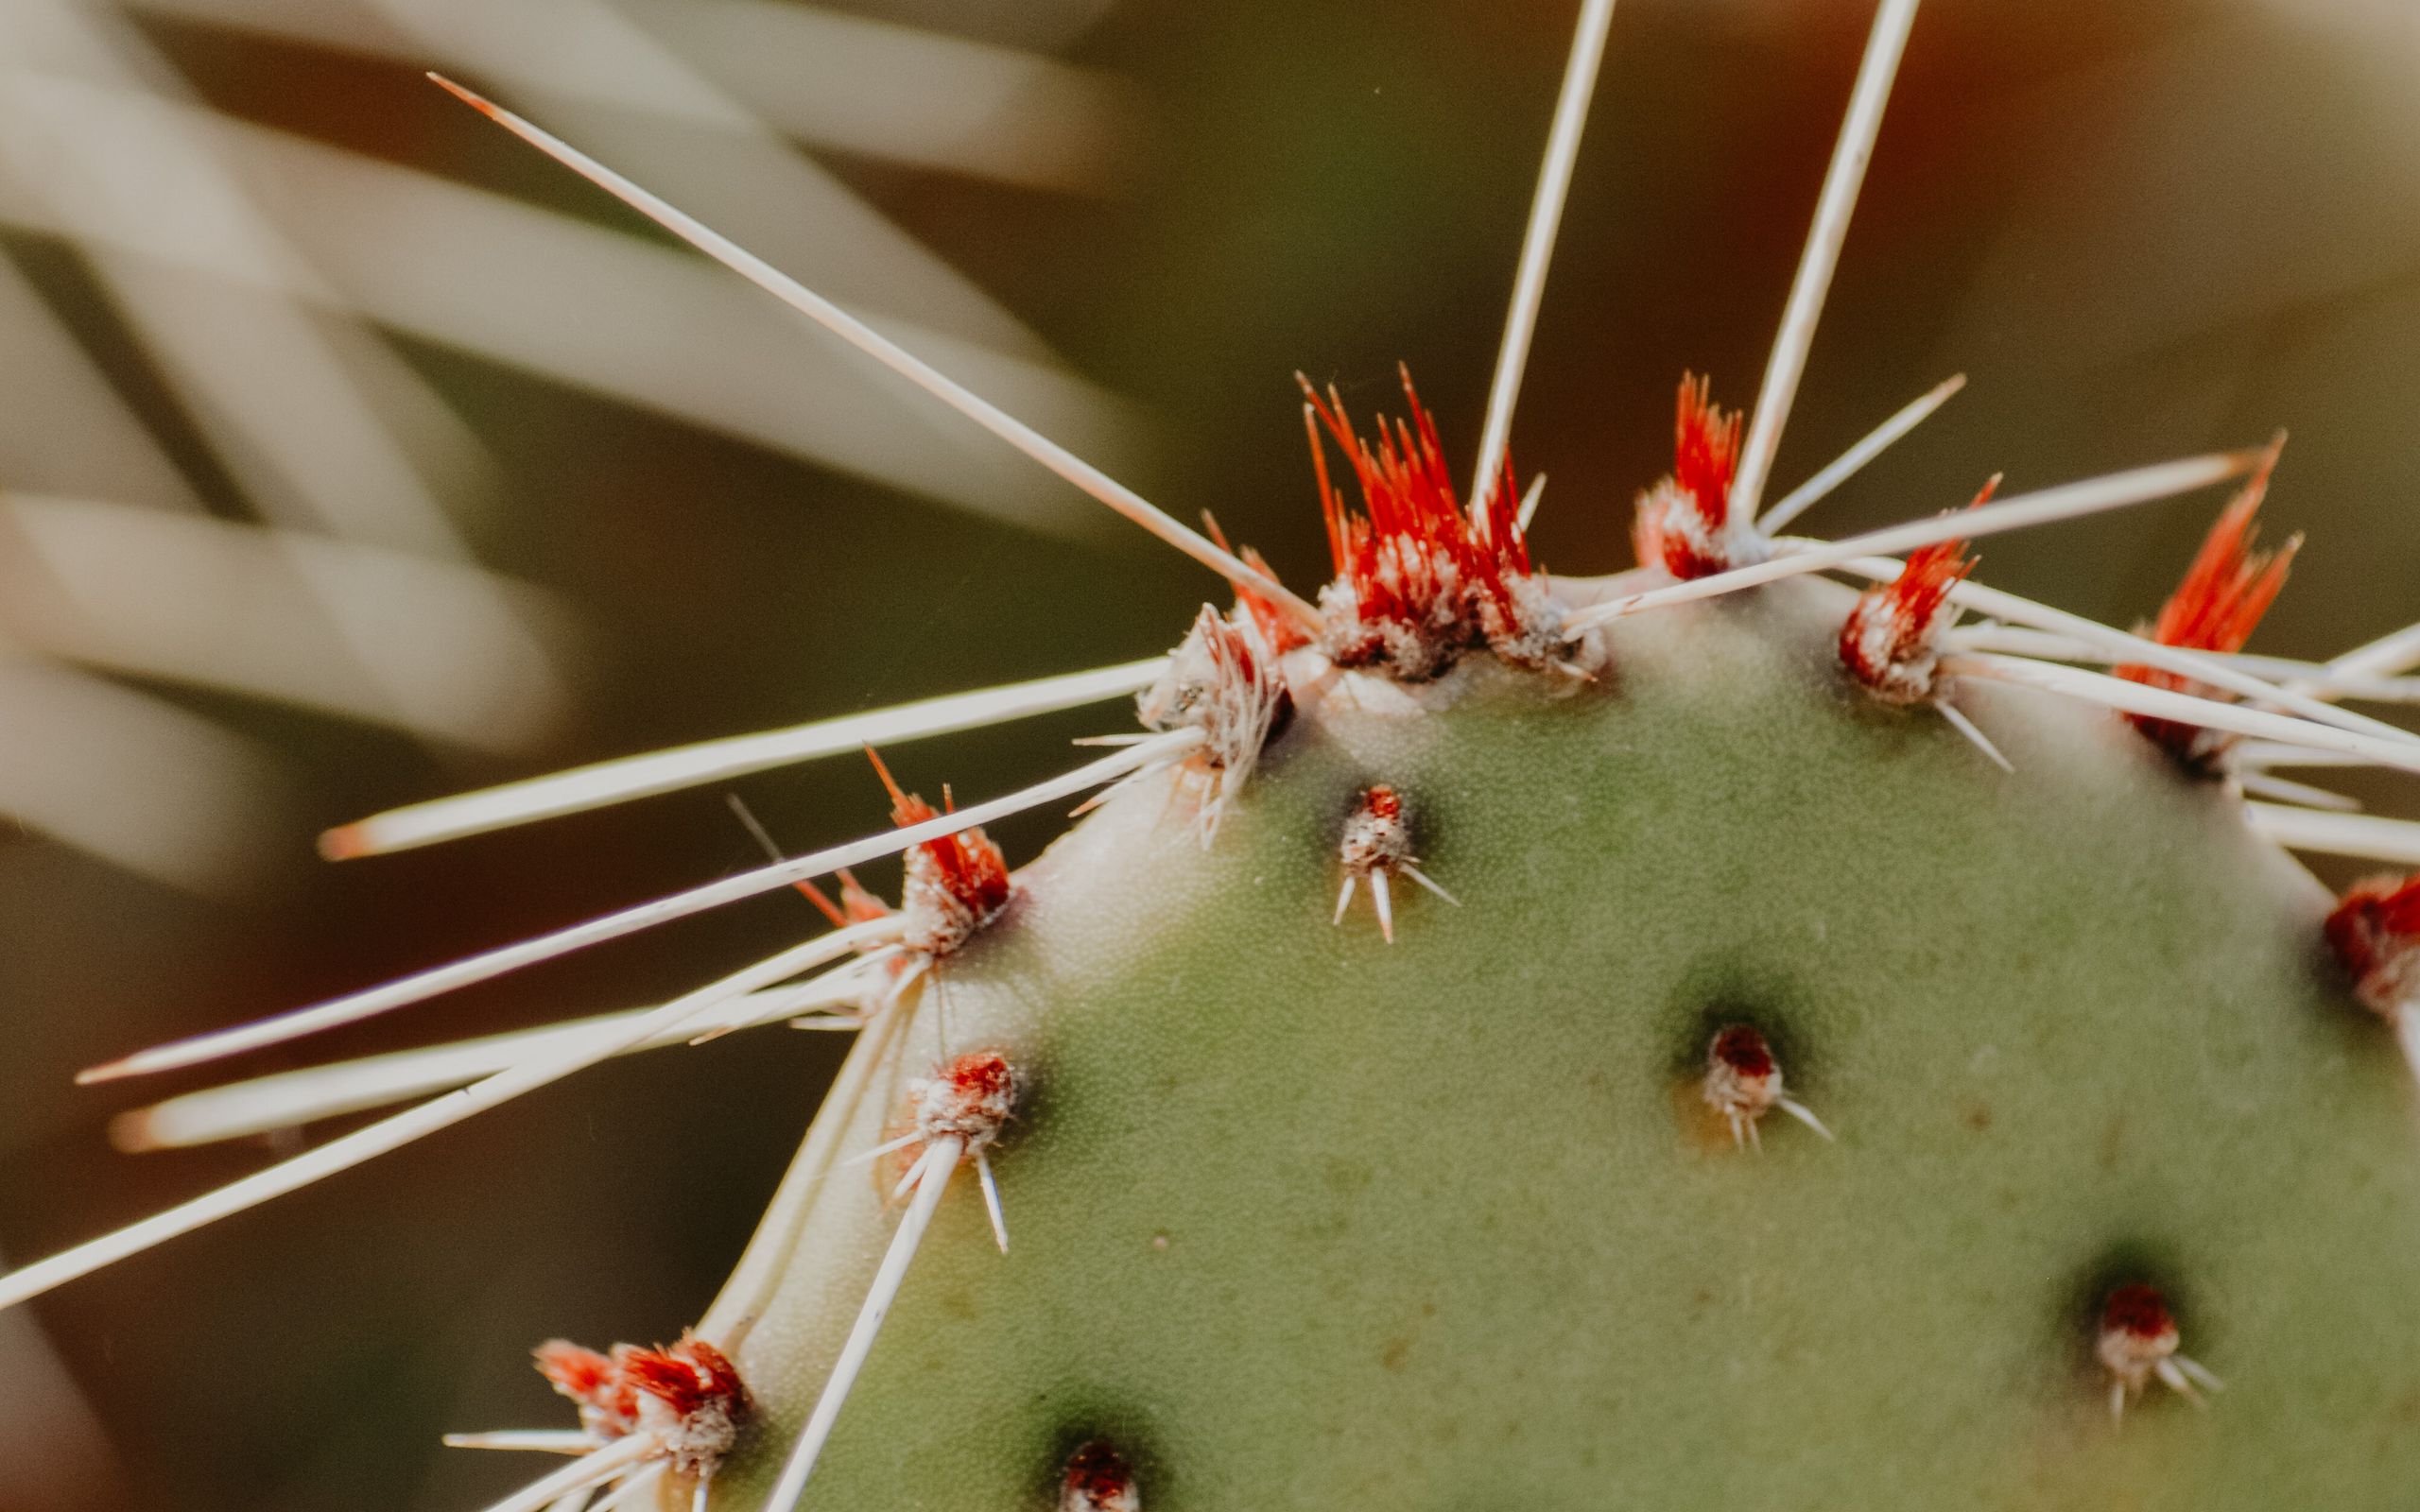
(470, 97)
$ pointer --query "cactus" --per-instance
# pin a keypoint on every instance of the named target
(1712, 1036)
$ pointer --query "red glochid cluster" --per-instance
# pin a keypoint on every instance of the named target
(2376, 932)
(1684, 523)
(1420, 579)
(955, 885)
(2224, 594)
(688, 1397)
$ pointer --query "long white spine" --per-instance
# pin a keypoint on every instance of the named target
(1537, 245)
(391, 1133)
(2066, 502)
(2159, 703)
(355, 1007)
(896, 358)
(588, 1471)
(1851, 462)
(937, 1165)
(2110, 645)
(2366, 836)
(620, 781)
(290, 1099)
(1841, 180)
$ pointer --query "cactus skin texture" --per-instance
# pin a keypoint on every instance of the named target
(1302, 1220)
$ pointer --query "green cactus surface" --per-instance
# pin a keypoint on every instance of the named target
(1300, 1219)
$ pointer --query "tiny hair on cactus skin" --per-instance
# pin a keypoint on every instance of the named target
(2137, 1341)
(620, 781)
(488, 965)
(1537, 247)
(1958, 720)
(1842, 178)
(1743, 1083)
(1091, 479)
(1853, 461)
(2069, 500)
(2224, 594)
(1377, 844)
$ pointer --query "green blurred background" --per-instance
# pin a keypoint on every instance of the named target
(2141, 230)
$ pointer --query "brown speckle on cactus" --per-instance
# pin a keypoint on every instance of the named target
(2138, 1341)
(1097, 1479)
(1376, 846)
(1743, 1083)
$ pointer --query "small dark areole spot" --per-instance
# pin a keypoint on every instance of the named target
(1097, 1479)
